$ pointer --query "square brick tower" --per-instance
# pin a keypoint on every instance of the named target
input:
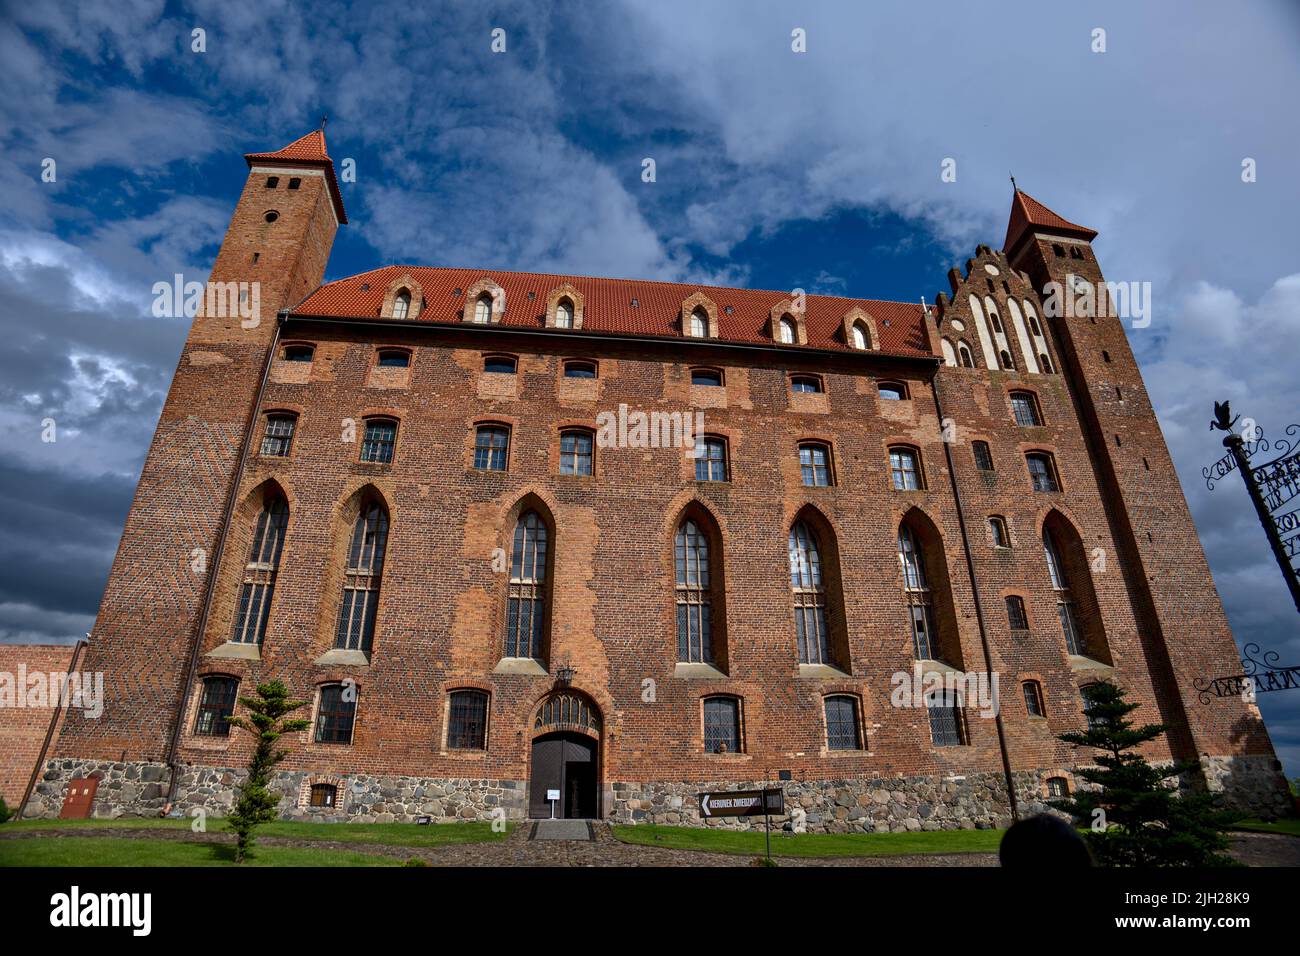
(1181, 621)
(273, 255)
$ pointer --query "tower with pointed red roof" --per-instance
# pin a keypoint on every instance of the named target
(274, 253)
(1180, 618)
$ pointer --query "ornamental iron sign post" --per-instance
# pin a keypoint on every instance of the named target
(1259, 675)
(1274, 487)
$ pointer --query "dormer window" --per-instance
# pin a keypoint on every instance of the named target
(483, 310)
(786, 331)
(859, 337)
(699, 325)
(564, 315)
(402, 305)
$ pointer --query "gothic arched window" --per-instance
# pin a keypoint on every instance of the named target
(916, 591)
(365, 565)
(526, 601)
(809, 592)
(694, 606)
(402, 305)
(259, 572)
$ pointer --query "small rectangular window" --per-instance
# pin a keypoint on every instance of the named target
(1016, 617)
(721, 725)
(335, 715)
(216, 705)
(278, 437)
(903, 469)
(1041, 472)
(575, 453)
(491, 443)
(947, 729)
(983, 457)
(1025, 409)
(814, 464)
(294, 182)
(381, 436)
(842, 731)
(711, 465)
(467, 726)
(1033, 698)
(499, 365)
(394, 358)
(706, 376)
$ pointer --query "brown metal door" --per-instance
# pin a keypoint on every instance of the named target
(80, 799)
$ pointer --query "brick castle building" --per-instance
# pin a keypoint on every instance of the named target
(451, 509)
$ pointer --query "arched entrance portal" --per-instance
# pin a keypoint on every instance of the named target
(565, 758)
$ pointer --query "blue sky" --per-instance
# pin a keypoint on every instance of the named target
(774, 169)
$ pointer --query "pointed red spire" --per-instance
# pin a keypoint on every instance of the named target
(310, 147)
(307, 151)
(1026, 211)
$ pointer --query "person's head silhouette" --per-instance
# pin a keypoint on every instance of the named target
(1044, 841)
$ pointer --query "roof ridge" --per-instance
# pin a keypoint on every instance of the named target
(570, 275)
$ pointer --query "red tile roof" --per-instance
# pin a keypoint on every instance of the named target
(608, 308)
(306, 151)
(1027, 211)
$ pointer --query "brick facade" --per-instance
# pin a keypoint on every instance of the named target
(24, 726)
(1147, 607)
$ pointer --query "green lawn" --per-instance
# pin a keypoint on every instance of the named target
(1288, 825)
(387, 834)
(752, 842)
(117, 851)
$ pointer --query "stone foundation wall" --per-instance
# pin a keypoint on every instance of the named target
(1253, 784)
(972, 801)
(140, 789)
(975, 801)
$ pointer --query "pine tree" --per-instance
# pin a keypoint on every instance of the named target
(256, 804)
(1135, 819)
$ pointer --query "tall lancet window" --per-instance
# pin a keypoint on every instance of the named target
(259, 572)
(809, 596)
(483, 309)
(1074, 642)
(916, 592)
(526, 603)
(694, 609)
(356, 627)
(564, 315)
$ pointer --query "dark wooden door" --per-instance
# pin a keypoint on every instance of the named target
(80, 799)
(565, 762)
